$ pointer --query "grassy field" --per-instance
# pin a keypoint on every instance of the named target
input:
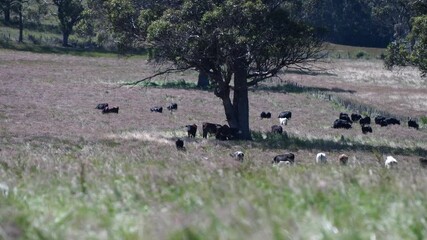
(69, 172)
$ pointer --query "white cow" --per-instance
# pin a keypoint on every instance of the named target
(283, 121)
(390, 162)
(321, 158)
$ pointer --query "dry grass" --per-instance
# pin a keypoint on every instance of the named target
(73, 172)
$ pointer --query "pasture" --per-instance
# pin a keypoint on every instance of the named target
(67, 171)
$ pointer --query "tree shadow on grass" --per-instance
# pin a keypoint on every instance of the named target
(293, 143)
(291, 87)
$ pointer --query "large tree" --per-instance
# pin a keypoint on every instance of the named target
(69, 14)
(238, 43)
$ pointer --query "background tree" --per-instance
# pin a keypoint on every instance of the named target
(69, 14)
(237, 43)
(6, 8)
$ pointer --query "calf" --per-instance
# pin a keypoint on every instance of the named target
(283, 121)
(191, 130)
(172, 107)
(355, 117)
(210, 128)
(345, 117)
(287, 157)
(423, 162)
(390, 162)
(343, 158)
(179, 144)
(110, 110)
(238, 155)
(101, 106)
(365, 121)
(286, 114)
(156, 109)
(366, 129)
(265, 115)
(276, 129)
(413, 124)
(339, 123)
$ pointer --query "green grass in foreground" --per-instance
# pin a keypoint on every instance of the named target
(94, 191)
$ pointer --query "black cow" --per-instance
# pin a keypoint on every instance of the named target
(366, 129)
(383, 123)
(110, 110)
(423, 162)
(210, 128)
(286, 114)
(191, 130)
(179, 144)
(226, 133)
(276, 129)
(365, 121)
(287, 157)
(172, 107)
(355, 117)
(340, 123)
(413, 124)
(156, 109)
(265, 115)
(345, 117)
(378, 119)
(392, 121)
(101, 106)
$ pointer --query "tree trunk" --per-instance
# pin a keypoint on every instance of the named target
(203, 81)
(65, 36)
(6, 12)
(21, 25)
(241, 101)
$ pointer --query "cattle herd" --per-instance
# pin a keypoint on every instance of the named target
(224, 132)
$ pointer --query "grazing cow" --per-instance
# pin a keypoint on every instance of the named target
(343, 158)
(266, 115)
(412, 123)
(423, 162)
(283, 121)
(392, 121)
(210, 128)
(390, 162)
(101, 106)
(383, 123)
(366, 129)
(340, 123)
(110, 110)
(344, 116)
(191, 130)
(276, 129)
(379, 119)
(355, 117)
(365, 121)
(179, 144)
(172, 107)
(156, 109)
(286, 114)
(238, 155)
(321, 158)
(287, 157)
(226, 133)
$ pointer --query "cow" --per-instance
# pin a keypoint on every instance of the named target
(321, 158)
(383, 123)
(172, 107)
(283, 121)
(191, 130)
(287, 157)
(339, 123)
(226, 133)
(343, 158)
(355, 117)
(210, 128)
(365, 121)
(265, 115)
(423, 162)
(276, 129)
(344, 116)
(392, 121)
(286, 114)
(366, 129)
(156, 109)
(110, 110)
(101, 106)
(238, 155)
(378, 119)
(390, 162)
(413, 124)
(179, 143)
